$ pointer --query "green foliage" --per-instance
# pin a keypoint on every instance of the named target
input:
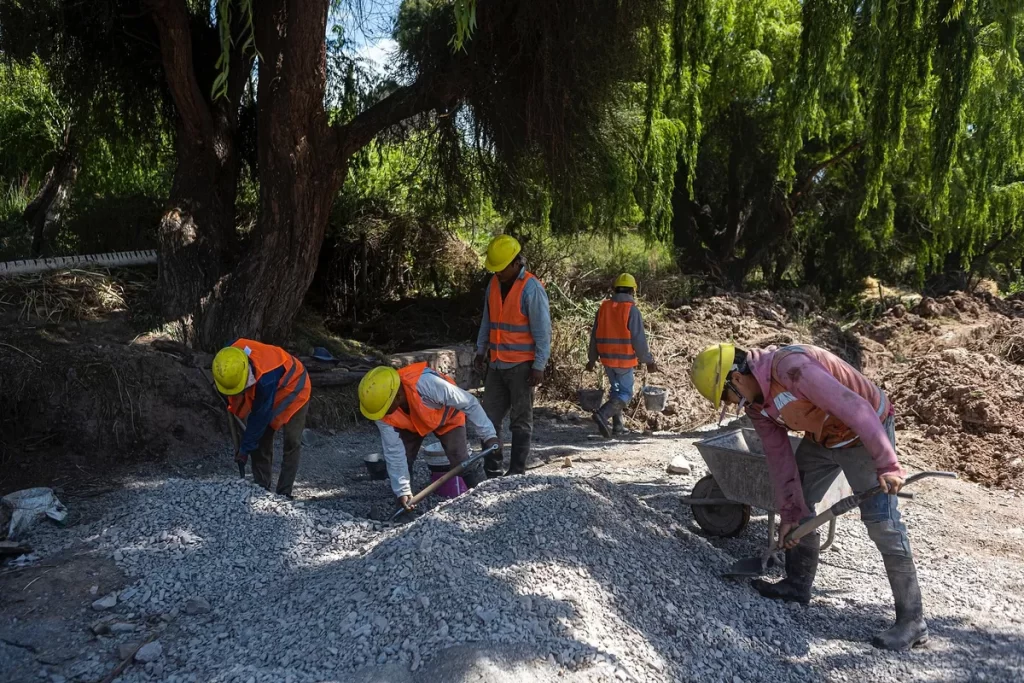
(32, 121)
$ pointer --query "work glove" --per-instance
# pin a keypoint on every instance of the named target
(536, 378)
(241, 458)
(653, 368)
(490, 442)
(590, 366)
(478, 363)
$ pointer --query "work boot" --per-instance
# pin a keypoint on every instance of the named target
(474, 475)
(910, 629)
(801, 566)
(611, 408)
(618, 426)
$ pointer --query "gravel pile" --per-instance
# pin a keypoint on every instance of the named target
(572, 573)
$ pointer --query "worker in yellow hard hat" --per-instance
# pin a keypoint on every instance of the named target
(618, 339)
(410, 403)
(849, 426)
(268, 388)
(513, 348)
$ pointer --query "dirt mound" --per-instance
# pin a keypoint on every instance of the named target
(81, 406)
(967, 404)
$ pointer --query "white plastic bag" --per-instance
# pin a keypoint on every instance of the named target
(28, 506)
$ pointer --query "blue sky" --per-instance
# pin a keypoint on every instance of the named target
(370, 31)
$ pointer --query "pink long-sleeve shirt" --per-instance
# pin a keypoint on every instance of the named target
(809, 380)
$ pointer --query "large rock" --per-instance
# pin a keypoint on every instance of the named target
(679, 465)
(150, 652)
(106, 602)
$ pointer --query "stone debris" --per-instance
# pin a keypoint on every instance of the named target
(150, 652)
(679, 465)
(106, 602)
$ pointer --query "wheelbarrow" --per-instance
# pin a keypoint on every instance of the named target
(739, 480)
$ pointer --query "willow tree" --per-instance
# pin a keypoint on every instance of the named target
(804, 111)
(535, 79)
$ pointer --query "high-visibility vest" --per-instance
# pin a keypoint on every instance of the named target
(293, 389)
(614, 341)
(800, 415)
(510, 339)
(419, 418)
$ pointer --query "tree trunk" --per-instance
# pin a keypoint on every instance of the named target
(196, 228)
(300, 173)
(45, 207)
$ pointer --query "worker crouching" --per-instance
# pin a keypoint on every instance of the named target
(618, 340)
(848, 425)
(410, 403)
(515, 337)
(268, 388)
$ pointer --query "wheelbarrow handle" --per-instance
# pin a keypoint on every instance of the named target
(850, 502)
(453, 472)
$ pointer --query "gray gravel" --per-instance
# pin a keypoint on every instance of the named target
(592, 572)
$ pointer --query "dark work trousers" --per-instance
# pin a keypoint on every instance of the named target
(454, 443)
(263, 457)
(508, 392)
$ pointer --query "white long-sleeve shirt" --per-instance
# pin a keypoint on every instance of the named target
(436, 393)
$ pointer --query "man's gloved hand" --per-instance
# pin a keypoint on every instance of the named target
(406, 502)
(591, 365)
(493, 441)
(536, 378)
(479, 363)
(653, 368)
(241, 458)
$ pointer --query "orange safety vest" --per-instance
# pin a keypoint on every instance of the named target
(509, 329)
(421, 419)
(614, 342)
(800, 415)
(293, 388)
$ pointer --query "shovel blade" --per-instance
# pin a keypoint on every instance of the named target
(750, 567)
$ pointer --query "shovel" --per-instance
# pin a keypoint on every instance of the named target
(756, 566)
(234, 422)
(453, 472)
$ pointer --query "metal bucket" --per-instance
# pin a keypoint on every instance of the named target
(655, 399)
(590, 399)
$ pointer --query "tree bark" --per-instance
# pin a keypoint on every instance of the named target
(52, 195)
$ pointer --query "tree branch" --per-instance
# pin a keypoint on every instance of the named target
(426, 94)
(818, 168)
(171, 19)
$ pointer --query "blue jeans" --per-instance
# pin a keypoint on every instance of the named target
(621, 380)
(880, 514)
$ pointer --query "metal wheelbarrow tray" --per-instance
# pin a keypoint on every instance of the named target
(739, 480)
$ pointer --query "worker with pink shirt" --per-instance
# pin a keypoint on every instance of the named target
(848, 425)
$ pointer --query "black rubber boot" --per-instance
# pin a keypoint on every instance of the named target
(618, 426)
(801, 566)
(910, 629)
(601, 420)
(474, 475)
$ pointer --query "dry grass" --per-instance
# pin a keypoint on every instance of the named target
(70, 295)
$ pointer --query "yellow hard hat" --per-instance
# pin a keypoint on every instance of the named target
(500, 252)
(625, 280)
(711, 369)
(377, 390)
(230, 370)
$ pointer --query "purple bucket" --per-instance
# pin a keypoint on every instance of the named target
(450, 488)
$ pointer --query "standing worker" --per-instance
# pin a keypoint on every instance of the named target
(516, 332)
(268, 388)
(618, 339)
(410, 403)
(848, 425)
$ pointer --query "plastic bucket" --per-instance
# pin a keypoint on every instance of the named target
(375, 466)
(589, 399)
(451, 488)
(655, 399)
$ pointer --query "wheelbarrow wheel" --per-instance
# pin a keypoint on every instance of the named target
(718, 520)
